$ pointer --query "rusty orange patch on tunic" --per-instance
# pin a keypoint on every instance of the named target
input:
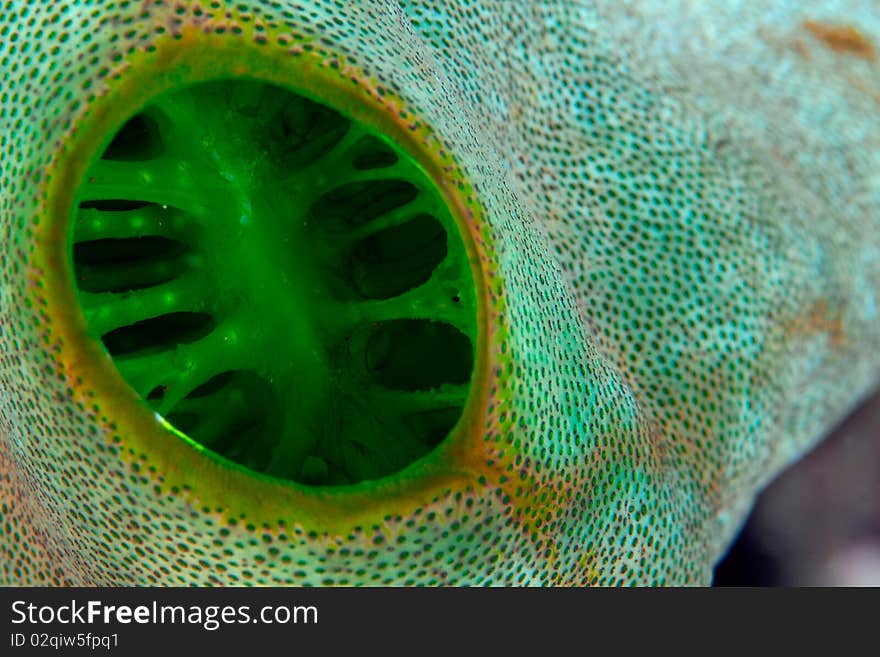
(843, 38)
(819, 318)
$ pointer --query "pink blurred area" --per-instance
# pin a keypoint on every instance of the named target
(818, 524)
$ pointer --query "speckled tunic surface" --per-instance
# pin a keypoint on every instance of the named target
(674, 213)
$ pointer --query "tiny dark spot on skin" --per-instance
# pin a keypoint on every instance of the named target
(843, 39)
(720, 145)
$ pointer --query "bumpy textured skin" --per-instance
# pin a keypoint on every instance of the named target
(677, 206)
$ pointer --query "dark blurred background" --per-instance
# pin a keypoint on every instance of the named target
(818, 523)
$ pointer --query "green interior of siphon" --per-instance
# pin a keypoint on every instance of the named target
(280, 283)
